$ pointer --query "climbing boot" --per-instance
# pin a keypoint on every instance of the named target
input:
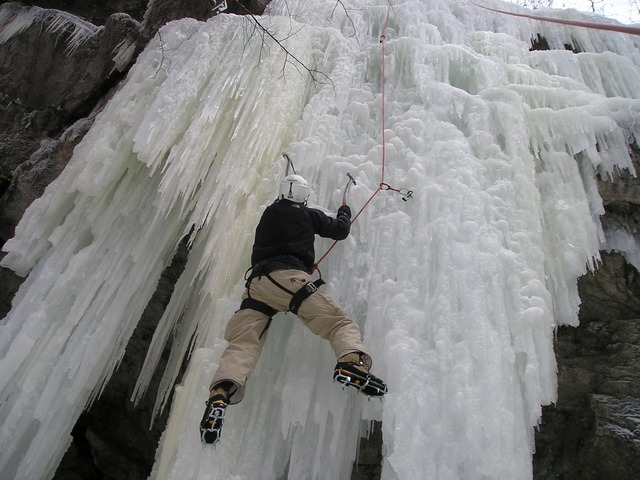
(351, 370)
(213, 418)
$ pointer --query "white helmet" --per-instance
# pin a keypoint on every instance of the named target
(294, 188)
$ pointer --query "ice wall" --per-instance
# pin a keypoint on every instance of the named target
(457, 290)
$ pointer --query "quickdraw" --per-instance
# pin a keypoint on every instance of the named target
(405, 192)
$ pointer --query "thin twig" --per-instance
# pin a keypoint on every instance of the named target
(288, 55)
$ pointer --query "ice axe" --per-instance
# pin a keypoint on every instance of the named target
(289, 164)
(351, 181)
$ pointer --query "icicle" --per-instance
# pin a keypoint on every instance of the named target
(14, 19)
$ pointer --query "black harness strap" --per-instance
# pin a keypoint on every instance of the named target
(304, 293)
(261, 307)
(278, 285)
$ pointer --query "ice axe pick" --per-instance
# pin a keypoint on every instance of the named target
(351, 181)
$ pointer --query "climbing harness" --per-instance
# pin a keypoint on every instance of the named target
(294, 305)
(575, 23)
(301, 295)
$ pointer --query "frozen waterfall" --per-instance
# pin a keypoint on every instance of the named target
(457, 290)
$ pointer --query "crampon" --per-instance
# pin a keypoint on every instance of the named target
(211, 424)
(349, 375)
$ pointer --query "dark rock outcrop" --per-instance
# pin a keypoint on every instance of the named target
(593, 432)
(53, 73)
(115, 439)
(163, 11)
(95, 11)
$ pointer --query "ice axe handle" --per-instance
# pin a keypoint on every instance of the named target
(289, 165)
(351, 181)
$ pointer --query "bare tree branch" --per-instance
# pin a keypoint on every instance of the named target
(160, 66)
(346, 12)
(290, 58)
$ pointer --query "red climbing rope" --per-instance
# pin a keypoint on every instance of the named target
(382, 82)
(575, 23)
(383, 185)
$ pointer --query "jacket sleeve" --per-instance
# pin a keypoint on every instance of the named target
(335, 228)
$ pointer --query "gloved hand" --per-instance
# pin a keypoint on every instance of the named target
(345, 210)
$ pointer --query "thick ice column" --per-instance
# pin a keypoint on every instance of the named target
(174, 152)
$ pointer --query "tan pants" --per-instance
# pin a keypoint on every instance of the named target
(247, 328)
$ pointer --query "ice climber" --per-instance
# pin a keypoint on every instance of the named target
(283, 257)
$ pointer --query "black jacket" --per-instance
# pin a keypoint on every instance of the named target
(286, 233)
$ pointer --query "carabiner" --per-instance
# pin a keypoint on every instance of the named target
(406, 194)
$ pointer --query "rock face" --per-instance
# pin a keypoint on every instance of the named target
(113, 439)
(593, 431)
(45, 101)
(95, 11)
